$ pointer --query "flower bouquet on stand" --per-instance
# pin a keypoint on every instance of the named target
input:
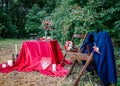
(47, 25)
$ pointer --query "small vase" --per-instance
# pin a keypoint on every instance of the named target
(45, 34)
(51, 32)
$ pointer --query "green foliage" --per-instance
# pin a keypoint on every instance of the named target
(34, 20)
(13, 20)
(118, 83)
(68, 17)
(6, 28)
(1, 29)
(60, 19)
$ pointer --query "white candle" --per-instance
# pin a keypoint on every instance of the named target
(4, 66)
(10, 62)
(53, 67)
(16, 49)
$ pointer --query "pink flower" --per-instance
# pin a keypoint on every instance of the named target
(46, 24)
(68, 45)
(96, 49)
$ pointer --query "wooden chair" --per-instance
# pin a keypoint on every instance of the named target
(83, 57)
(78, 55)
(75, 48)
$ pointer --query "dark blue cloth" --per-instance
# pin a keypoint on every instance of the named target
(88, 41)
(104, 62)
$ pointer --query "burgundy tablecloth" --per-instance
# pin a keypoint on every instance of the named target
(34, 53)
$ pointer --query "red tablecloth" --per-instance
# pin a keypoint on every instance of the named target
(34, 54)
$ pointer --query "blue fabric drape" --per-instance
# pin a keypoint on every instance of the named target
(104, 62)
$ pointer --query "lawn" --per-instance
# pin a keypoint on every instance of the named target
(14, 78)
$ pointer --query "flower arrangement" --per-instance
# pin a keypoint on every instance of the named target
(68, 45)
(47, 25)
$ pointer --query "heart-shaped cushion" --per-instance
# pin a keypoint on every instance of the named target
(45, 62)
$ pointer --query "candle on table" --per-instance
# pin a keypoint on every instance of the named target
(16, 49)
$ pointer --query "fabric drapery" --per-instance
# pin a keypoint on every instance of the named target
(31, 56)
(104, 62)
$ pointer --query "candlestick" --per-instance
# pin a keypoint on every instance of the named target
(16, 49)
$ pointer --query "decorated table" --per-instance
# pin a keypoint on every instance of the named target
(41, 56)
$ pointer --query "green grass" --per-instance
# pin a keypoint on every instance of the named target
(4, 43)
